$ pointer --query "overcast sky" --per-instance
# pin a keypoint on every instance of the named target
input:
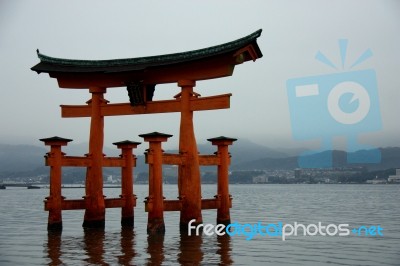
(293, 32)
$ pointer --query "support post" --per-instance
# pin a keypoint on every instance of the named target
(127, 212)
(54, 201)
(155, 200)
(189, 182)
(94, 198)
(223, 213)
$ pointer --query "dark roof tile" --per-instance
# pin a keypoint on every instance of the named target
(51, 64)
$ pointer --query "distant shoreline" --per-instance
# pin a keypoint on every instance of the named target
(70, 186)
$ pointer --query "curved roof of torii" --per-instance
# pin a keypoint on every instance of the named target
(212, 62)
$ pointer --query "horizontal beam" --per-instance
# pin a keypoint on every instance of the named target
(211, 102)
(85, 161)
(154, 107)
(209, 160)
(116, 202)
(169, 205)
(115, 162)
(178, 159)
(78, 161)
(75, 204)
(210, 204)
(79, 204)
(172, 159)
(172, 205)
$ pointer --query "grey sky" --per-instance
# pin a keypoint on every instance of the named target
(293, 32)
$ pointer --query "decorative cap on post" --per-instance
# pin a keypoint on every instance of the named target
(222, 140)
(55, 141)
(185, 83)
(155, 136)
(127, 144)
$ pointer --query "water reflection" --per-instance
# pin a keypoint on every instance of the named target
(190, 249)
(155, 248)
(99, 247)
(224, 250)
(54, 247)
(94, 246)
(127, 246)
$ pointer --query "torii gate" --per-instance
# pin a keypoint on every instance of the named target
(140, 76)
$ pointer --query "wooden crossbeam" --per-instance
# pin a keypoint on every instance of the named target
(209, 160)
(70, 161)
(210, 204)
(179, 159)
(173, 159)
(172, 205)
(83, 161)
(79, 204)
(154, 107)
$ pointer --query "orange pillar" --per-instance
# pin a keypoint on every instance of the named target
(127, 212)
(223, 214)
(94, 198)
(155, 200)
(189, 182)
(54, 201)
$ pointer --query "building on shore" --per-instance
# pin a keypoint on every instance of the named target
(395, 178)
(260, 179)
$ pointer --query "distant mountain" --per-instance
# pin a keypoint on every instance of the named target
(21, 157)
(28, 160)
(243, 150)
(25, 160)
(390, 159)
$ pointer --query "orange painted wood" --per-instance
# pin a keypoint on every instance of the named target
(75, 111)
(168, 159)
(53, 202)
(79, 204)
(55, 198)
(178, 159)
(189, 182)
(117, 162)
(172, 205)
(210, 203)
(223, 213)
(83, 161)
(154, 203)
(156, 216)
(210, 102)
(73, 204)
(95, 206)
(117, 203)
(166, 106)
(70, 161)
(76, 161)
(173, 159)
(127, 212)
(209, 160)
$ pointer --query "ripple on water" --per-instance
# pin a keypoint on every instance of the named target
(25, 241)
